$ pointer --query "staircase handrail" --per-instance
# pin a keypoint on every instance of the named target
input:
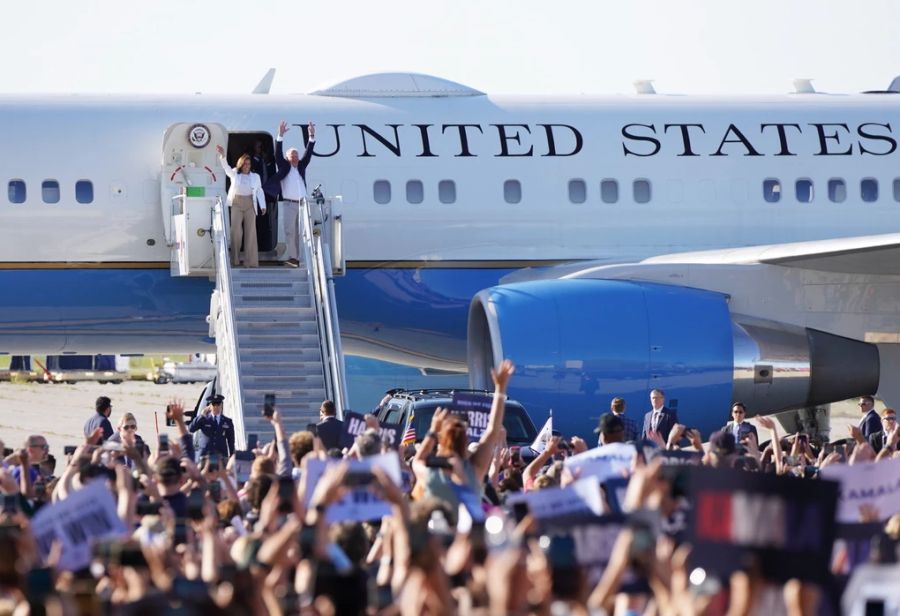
(229, 381)
(326, 308)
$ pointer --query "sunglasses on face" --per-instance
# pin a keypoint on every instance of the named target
(129, 427)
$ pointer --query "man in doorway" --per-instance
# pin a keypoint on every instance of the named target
(660, 418)
(289, 182)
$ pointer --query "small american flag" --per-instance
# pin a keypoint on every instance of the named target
(409, 437)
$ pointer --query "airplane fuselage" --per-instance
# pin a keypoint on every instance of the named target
(440, 197)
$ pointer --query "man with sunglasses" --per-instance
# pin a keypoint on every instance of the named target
(739, 427)
(880, 440)
(870, 423)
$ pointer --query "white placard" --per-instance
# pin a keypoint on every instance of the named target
(604, 462)
(876, 484)
(583, 496)
(85, 516)
(361, 504)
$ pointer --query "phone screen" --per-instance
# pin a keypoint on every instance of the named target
(269, 405)
(163, 443)
(252, 441)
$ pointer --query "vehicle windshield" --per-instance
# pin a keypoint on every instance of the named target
(519, 430)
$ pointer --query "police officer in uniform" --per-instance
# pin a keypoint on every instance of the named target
(216, 430)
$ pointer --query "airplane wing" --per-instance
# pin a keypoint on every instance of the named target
(873, 254)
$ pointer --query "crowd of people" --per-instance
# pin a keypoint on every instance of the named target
(442, 526)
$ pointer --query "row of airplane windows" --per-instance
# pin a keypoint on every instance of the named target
(804, 191)
(50, 191)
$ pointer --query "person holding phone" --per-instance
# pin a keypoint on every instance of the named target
(216, 430)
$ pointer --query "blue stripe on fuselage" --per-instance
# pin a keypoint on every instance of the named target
(421, 311)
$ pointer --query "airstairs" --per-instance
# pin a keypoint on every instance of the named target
(276, 327)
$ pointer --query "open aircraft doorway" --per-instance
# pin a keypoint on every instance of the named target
(261, 148)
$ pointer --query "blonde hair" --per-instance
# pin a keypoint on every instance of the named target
(240, 162)
(124, 419)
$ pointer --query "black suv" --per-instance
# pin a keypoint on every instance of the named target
(422, 403)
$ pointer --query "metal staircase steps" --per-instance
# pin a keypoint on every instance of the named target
(278, 345)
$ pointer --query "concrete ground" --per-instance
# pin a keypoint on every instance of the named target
(59, 411)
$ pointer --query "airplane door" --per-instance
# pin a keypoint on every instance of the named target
(190, 161)
(191, 180)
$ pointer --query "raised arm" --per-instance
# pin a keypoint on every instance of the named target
(229, 171)
(769, 424)
(481, 459)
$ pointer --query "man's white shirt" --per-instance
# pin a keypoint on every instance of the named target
(292, 186)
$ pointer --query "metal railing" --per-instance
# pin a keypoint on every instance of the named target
(326, 307)
(229, 382)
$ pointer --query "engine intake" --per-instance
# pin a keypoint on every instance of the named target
(577, 343)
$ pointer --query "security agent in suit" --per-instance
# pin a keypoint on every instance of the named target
(880, 440)
(660, 418)
(216, 430)
(870, 422)
(738, 426)
(330, 428)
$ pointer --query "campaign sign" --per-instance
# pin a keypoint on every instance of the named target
(673, 457)
(355, 424)
(604, 462)
(87, 515)
(581, 497)
(876, 484)
(361, 504)
(856, 540)
(785, 525)
(594, 537)
(475, 409)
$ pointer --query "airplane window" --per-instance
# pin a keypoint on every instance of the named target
(868, 189)
(609, 191)
(837, 190)
(512, 191)
(771, 190)
(577, 191)
(804, 190)
(447, 191)
(382, 191)
(415, 192)
(84, 191)
(17, 191)
(897, 189)
(50, 191)
(641, 189)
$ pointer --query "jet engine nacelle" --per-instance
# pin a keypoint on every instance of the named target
(578, 343)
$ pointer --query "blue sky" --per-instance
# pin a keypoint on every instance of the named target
(499, 46)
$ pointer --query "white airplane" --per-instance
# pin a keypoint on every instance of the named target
(718, 248)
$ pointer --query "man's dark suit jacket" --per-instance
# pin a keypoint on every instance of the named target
(666, 423)
(272, 187)
(330, 430)
(871, 424)
(746, 428)
(213, 436)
